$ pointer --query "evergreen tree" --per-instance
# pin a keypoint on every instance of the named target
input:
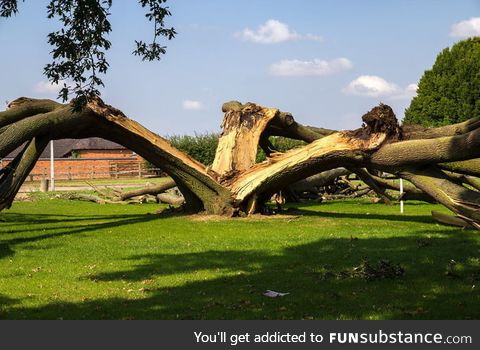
(450, 91)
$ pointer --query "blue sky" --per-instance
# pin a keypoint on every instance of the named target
(327, 62)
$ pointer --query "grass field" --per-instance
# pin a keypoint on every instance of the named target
(77, 260)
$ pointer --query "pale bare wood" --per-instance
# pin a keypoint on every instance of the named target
(238, 145)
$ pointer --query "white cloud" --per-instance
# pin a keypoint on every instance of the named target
(466, 29)
(45, 87)
(315, 67)
(412, 89)
(371, 85)
(272, 32)
(406, 94)
(192, 105)
(375, 86)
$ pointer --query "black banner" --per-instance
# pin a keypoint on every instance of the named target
(241, 334)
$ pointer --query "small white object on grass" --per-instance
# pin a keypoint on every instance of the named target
(272, 294)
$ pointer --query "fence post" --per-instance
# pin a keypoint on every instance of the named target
(139, 170)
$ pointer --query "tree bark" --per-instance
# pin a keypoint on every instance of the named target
(150, 190)
(235, 183)
(462, 201)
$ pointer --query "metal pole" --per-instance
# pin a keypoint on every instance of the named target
(401, 192)
(52, 168)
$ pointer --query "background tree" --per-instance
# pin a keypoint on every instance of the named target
(79, 47)
(450, 91)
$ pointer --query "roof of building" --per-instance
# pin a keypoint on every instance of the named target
(64, 147)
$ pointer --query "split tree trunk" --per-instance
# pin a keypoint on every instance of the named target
(234, 183)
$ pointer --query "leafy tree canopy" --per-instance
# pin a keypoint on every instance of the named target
(449, 92)
(79, 47)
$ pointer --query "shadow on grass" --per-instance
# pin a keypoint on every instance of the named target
(89, 224)
(362, 216)
(4, 300)
(14, 219)
(322, 211)
(228, 284)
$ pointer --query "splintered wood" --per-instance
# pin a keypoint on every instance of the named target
(238, 144)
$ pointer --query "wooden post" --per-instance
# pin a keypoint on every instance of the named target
(52, 167)
(139, 170)
(44, 184)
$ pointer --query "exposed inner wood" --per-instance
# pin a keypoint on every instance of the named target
(238, 144)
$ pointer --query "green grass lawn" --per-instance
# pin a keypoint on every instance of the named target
(77, 260)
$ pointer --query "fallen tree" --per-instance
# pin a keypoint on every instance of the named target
(234, 184)
(165, 192)
(149, 190)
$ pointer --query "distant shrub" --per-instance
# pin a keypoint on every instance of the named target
(201, 147)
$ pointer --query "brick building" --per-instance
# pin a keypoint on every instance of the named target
(92, 158)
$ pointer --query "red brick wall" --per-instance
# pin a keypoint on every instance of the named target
(121, 153)
(83, 168)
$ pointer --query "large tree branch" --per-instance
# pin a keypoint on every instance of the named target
(412, 132)
(467, 167)
(18, 170)
(428, 151)
(235, 182)
(462, 201)
(24, 107)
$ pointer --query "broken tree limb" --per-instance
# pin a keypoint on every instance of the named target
(462, 179)
(169, 198)
(426, 151)
(450, 220)
(412, 132)
(462, 201)
(339, 149)
(467, 167)
(238, 143)
(356, 194)
(394, 185)
(149, 190)
(24, 107)
(238, 185)
(315, 182)
(472, 181)
(18, 170)
(370, 182)
(87, 198)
